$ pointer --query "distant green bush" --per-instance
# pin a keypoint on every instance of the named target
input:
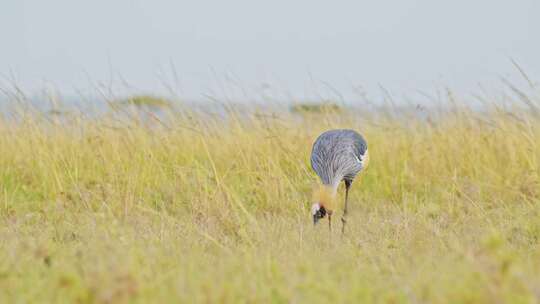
(144, 101)
(326, 107)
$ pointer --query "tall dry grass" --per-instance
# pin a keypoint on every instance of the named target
(198, 207)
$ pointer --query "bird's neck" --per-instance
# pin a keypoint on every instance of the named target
(325, 195)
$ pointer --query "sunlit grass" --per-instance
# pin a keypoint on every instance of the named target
(214, 208)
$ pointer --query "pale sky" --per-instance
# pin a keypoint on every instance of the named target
(295, 47)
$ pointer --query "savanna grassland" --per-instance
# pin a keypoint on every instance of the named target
(195, 207)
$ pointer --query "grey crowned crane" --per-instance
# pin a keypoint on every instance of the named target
(337, 155)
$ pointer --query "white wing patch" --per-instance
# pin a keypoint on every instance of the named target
(365, 159)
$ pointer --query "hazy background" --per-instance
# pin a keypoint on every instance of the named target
(285, 49)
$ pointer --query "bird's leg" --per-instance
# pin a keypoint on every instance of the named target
(344, 216)
(330, 221)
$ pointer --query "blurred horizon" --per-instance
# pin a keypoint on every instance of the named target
(242, 50)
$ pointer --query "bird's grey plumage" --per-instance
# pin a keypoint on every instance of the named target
(338, 155)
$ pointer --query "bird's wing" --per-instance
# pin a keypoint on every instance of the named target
(338, 154)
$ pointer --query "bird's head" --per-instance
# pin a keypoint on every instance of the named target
(323, 198)
(318, 212)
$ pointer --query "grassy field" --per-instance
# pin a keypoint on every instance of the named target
(206, 208)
